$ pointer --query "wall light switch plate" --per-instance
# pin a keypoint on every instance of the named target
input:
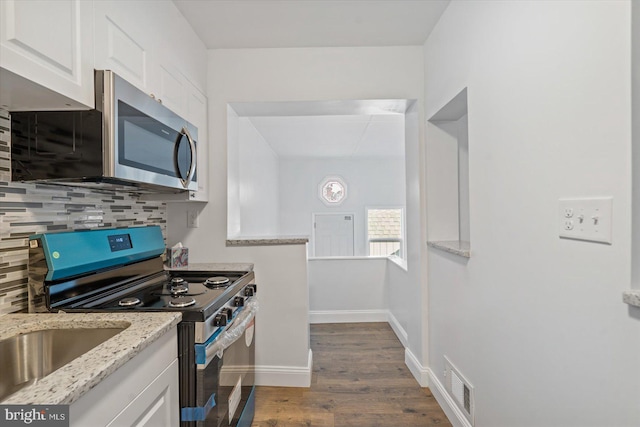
(586, 219)
(192, 218)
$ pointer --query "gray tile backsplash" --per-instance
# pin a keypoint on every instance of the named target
(26, 209)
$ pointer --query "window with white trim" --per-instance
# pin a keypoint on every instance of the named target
(385, 232)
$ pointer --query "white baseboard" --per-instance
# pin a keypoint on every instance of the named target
(451, 410)
(419, 372)
(285, 376)
(398, 329)
(347, 316)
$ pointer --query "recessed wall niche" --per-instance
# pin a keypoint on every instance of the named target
(447, 160)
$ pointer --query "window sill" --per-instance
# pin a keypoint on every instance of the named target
(346, 258)
(456, 247)
(632, 297)
(402, 263)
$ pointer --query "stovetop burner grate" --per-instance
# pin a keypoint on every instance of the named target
(216, 282)
(180, 302)
(179, 289)
(129, 302)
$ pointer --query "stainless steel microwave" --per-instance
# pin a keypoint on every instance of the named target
(129, 138)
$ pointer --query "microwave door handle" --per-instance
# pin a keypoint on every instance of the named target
(192, 166)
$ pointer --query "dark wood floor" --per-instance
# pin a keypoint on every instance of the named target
(359, 379)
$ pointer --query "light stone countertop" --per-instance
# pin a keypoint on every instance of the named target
(456, 247)
(215, 266)
(632, 297)
(68, 383)
(268, 241)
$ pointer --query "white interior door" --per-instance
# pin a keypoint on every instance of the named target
(333, 235)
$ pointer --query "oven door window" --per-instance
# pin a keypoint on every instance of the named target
(231, 379)
(145, 143)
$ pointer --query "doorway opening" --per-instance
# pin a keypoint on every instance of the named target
(289, 162)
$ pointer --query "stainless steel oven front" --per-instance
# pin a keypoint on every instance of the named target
(222, 376)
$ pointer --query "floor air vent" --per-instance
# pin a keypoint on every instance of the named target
(459, 388)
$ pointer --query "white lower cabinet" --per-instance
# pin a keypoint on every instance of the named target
(143, 392)
(155, 405)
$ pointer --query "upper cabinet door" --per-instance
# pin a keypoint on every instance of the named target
(197, 114)
(131, 41)
(171, 88)
(50, 43)
(123, 42)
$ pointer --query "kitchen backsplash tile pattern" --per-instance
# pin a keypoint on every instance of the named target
(26, 209)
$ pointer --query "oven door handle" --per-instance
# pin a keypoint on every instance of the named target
(231, 335)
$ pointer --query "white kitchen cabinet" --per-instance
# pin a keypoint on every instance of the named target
(132, 42)
(197, 114)
(171, 88)
(46, 46)
(49, 50)
(155, 406)
(123, 42)
(136, 43)
(143, 392)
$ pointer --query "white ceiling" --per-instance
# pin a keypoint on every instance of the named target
(345, 136)
(226, 24)
(320, 129)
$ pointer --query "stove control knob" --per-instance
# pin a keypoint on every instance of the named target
(220, 319)
(249, 291)
(238, 302)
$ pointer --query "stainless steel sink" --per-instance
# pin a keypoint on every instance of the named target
(26, 358)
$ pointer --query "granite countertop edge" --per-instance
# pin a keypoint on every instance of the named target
(456, 247)
(68, 383)
(214, 266)
(267, 241)
(632, 297)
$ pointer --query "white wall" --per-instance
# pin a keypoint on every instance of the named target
(260, 186)
(370, 183)
(347, 286)
(248, 75)
(252, 181)
(442, 184)
(635, 75)
(535, 322)
(463, 179)
(234, 216)
(406, 287)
